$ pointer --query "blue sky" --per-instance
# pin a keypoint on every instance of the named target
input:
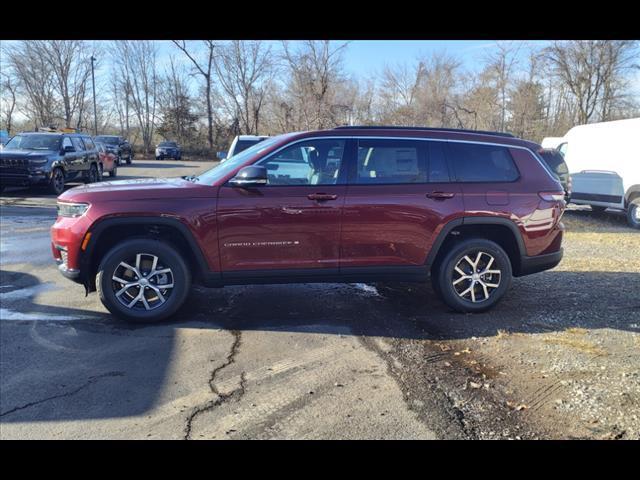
(364, 57)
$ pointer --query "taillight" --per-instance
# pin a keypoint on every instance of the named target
(551, 196)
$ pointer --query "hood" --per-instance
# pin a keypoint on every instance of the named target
(25, 154)
(137, 189)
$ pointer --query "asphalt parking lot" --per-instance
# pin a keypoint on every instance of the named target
(557, 358)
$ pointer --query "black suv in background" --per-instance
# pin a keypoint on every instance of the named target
(168, 150)
(49, 159)
(119, 146)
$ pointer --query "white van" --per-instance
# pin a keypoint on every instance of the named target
(604, 163)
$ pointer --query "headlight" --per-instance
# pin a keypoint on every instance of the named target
(72, 209)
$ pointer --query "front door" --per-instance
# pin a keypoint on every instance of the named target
(293, 222)
(399, 194)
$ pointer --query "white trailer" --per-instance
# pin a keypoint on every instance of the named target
(604, 163)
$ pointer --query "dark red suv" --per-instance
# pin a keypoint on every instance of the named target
(354, 204)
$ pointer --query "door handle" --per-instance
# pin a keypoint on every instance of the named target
(440, 195)
(321, 197)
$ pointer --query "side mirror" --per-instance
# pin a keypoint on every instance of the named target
(251, 176)
(221, 155)
(68, 149)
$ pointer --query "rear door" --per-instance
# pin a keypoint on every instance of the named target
(398, 198)
(293, 222)
(80, 161)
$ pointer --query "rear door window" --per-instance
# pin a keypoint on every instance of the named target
(391, 162)
(482, 163)
(77, 144)
(88, 143)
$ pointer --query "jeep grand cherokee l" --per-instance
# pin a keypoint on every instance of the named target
(468, 209)
(49, 159)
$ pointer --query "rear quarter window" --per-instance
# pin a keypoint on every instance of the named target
(482, 163)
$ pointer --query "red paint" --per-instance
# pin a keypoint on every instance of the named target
(275, 227)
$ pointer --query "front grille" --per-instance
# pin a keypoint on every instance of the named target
(14, 162)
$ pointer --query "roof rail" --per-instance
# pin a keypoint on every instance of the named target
(428, 129)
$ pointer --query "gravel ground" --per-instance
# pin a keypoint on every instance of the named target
(558, 358)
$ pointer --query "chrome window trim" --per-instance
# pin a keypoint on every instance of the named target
(376, 137)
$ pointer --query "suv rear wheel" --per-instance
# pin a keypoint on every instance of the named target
(474, 275)
(93, 175)
(633, 213)
(143, 280)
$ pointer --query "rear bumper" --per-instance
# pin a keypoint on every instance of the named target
(539, 263)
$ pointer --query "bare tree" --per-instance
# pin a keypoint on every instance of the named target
(32, 71)
(592, 71)
(178, 120)
(70, 63)
(136, 60)
(244, 69)
(8, 87)
(501, 63)
(314, 69)
(203, 68)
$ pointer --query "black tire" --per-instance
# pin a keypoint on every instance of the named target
(168, 257)
(113, 173)
(100, 172)
(1, 188)
(633, 214)
(56, 183)
(158, 158)
(93, 175)
(451, 295)
(129, 160)
(598, 209)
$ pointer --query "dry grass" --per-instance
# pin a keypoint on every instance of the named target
(580, 344)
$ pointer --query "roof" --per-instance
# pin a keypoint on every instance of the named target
(428, 129)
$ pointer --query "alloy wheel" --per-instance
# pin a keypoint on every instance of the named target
(143, 283)
(58, 180)
(475, 279)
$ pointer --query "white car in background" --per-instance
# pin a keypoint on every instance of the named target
(604, 163)
(240, 143)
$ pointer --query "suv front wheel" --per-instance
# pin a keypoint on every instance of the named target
(473, 276)
(143, 280)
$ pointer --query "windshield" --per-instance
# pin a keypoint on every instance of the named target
(167, 144)
(34, 142)
(108, 140)
(216, 173)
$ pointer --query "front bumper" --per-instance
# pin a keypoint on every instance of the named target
(23, 180)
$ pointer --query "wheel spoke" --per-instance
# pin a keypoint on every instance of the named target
(160, 296)
(460, 271)
(492, 285)
(136, 299)
(473, 292)
(484, 288)
(121, 280)
(475, 265)
(464, 277)
(125, 288)
(471, 264)
(138, 260)
(491, 271)
(489, 264)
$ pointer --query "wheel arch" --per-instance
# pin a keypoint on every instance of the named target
(107, 232)
(502, 231)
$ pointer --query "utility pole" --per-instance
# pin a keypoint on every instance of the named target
(95, 114)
